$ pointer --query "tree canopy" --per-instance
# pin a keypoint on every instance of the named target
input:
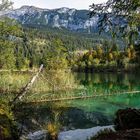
(129, 10)
(10, 32)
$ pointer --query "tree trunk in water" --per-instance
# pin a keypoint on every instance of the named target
(28, 86)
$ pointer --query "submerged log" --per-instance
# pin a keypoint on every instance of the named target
(24, 90)
(79, 97)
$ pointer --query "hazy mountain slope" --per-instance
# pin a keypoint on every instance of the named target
(71, 19)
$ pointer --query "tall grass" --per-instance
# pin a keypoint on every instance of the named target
(12, 82)
(49, 84)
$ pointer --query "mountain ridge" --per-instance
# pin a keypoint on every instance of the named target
(69, 18)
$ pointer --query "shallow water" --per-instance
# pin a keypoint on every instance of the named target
(87, 113)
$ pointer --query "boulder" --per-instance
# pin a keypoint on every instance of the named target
(82, 134)
(127, 119)
(127, 125)
(133, 134)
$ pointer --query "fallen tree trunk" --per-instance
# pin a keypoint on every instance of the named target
(24, 90)
(80, 97)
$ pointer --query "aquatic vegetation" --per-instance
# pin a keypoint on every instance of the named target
(53, 81)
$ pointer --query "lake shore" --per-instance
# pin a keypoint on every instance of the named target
(107, 69)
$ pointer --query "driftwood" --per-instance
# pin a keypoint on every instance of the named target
(24, 90)
(80, 97)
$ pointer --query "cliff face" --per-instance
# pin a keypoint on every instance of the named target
(71, 19)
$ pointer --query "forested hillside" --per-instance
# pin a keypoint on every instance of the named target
(27, 47)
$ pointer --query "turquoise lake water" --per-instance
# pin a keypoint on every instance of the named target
(91, 112)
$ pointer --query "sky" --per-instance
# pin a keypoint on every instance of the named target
(52, 4)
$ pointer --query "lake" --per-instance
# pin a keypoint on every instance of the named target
(86, 112)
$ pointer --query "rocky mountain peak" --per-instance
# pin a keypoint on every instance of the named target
(71, 19)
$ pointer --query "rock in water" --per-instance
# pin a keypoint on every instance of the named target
(127, 119)
(82, 134)
(39, 135)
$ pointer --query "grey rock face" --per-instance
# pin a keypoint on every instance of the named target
(71, 19)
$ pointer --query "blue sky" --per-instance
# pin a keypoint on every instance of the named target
(51, 4)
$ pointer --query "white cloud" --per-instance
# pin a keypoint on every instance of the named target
(51, 4)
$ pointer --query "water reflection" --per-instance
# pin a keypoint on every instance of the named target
(109, 83)
(84, 113)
